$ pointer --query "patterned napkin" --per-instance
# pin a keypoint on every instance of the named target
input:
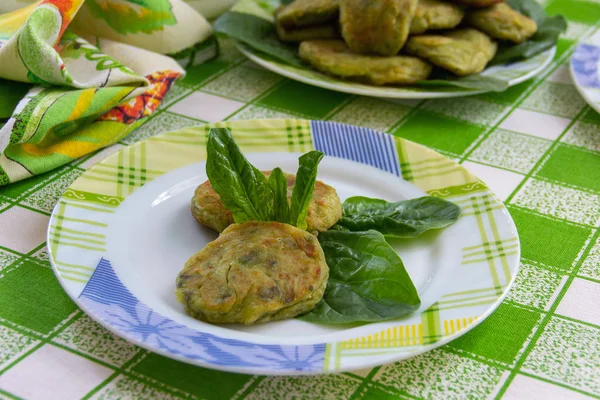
(79, 75)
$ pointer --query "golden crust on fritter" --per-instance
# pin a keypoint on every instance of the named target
(502, 22)
(254, 272)
(477, 39)
(301, 13)
(324, 210)
(463, 52)
(435, 14)
(376, 27)
(335, 58)
(209, 210)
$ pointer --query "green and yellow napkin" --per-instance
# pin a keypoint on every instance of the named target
(79, 75)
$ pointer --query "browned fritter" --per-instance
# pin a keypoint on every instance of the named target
(435, 14)
(335, 58)
(302, 13)
(502, 22)
(324, 210)
(254, 272)
(376, 27)
(463, 51)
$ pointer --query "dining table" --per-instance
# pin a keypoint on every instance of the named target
(536, 145)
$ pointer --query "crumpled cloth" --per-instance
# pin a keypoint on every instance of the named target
(80, 75)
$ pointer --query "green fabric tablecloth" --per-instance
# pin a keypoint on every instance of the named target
(537, 145)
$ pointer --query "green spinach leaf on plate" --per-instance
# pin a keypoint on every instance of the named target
(475, 82)
(402, 219)
(259, 34)
(247, 193)
(243, 189)
(367, 280)
(549, 29)
(279, 186)
(302, 194)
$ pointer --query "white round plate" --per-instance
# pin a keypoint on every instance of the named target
(585, 70)
(513, 74)
(121, 233)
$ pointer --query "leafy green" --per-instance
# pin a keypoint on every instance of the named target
(302, 194)
(403, 219)
(549, 29)
(529, 8)
(367, 280)
(257, 33)
(243, 189)
(279, 186)
(247, 193)
(475, 82)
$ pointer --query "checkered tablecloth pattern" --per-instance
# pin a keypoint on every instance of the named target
(537, 145)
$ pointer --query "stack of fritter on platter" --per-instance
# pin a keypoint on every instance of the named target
(399, 41)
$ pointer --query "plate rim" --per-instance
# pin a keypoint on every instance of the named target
(273, 67)
(388, 358)
(583, 92)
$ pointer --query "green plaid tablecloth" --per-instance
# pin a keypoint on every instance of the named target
(537, 145)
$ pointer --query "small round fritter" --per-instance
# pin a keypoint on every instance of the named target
(502, 22)
(335, 58)
(324, 210)
(435, 14)
(376, 27)
(302, 13)
(254, 272)
(209, 210)
(462, 51)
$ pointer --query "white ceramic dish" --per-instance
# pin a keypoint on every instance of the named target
(585, 70)
(513, 74)
(119, 236)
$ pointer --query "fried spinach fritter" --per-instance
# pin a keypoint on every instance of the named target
(254, 272)
(463, 52)
(302, 13)
(376, 27)
(335, 58)
(435, 14)
(324, 210)
(502, 22)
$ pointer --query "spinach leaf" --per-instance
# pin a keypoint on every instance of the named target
(257, 33)
(367, 280)
(279, 186)
(475, 82)
(529, 8)
(302, 194)
(243, 189)
(403, 219)
(549, 29)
